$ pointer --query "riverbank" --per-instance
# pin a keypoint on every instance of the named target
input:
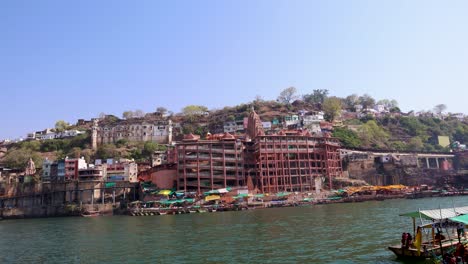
(173, 207)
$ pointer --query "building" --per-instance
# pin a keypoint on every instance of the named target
(138, 130)
(210, 164)
(291, 160)
(72, 166)
(119, 170)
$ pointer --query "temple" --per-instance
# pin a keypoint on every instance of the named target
(290, 160)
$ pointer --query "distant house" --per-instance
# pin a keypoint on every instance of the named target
(358, 108)
(291, 120)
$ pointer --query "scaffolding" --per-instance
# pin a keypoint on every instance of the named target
(295, 162)
(210, 164)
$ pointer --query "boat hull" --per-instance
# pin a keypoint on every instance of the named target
(412, 253)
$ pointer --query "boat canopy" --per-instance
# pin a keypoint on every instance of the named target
(460, 219)
(438, 214)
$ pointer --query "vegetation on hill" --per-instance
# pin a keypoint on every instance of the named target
(391, 131)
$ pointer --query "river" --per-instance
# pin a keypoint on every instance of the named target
(334, 233)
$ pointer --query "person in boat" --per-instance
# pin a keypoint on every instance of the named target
(404, 238)
(409, 240)
(460, 250)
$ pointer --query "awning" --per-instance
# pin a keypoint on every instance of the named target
(212, 197)
(165, 192)
(460, 219)
(260, 195)
(281, 194)
(438, 214)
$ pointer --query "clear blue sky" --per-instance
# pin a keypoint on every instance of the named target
(75, 59)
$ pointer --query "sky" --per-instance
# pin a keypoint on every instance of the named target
(65, 60)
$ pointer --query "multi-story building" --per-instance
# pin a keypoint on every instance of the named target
(287, 161)
(210, 164)
(133, 130)
(72, 166)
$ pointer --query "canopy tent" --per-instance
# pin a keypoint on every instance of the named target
(282, 194)
(241, 195)
(219, 191)
(259, 195)
(438, 214)
(460, 219)
(165, 192)
(212, 197)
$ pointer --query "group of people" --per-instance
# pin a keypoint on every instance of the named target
(406, 240)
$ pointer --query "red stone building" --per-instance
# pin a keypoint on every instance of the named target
(287, 161)
(210, 164)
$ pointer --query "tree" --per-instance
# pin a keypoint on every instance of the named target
(388, 104)
(18, 158)
(350, 101)
(107, 151)
(161, 110)
(438, 109)
(332, 108)
(367, 101)
(348, 138)
(415, 144)
(193, 111)
(139, 113)
(127, 114)
(317, 96)
(373, 136)
(288, 95)
(61, 126)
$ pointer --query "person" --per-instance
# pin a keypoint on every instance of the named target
(409, 241)
(404, 238)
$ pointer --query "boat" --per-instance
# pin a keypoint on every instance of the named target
(440, 231)
(90, 213)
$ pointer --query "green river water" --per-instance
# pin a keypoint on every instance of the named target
(335, 233)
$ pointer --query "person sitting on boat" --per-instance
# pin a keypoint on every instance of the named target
(404, 238)
(460, 250)
(409, 240)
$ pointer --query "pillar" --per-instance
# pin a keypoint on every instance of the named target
(427, 163)
(318, 184)
(437, 162)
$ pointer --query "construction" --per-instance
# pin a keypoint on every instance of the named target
(290, 160)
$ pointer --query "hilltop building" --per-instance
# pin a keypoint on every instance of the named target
(135, 129)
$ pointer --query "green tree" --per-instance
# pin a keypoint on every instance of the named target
(438, 109)
(107, 151)
(332, 108)
(61, 126)
(367, 101)
(18, 158)
(350, 101)
(191, 112)
(373, 136)
(127, 115)
(317, 96)
(161, 110)
(348, 138)
(415, 144)
(287, 96)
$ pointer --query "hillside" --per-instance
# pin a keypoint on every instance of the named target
(388, 130)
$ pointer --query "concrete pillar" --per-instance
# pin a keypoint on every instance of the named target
(113, 196)
(92, 198)
(437, 162)
(318, 184)
(427, 163)
(417, 162)
(103, 195)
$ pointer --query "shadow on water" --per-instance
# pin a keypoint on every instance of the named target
(336, 233)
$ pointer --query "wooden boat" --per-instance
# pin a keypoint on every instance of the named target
(90, 214)
(440, 231)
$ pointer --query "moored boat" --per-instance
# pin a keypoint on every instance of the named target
(440, 232)
(90, 213)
